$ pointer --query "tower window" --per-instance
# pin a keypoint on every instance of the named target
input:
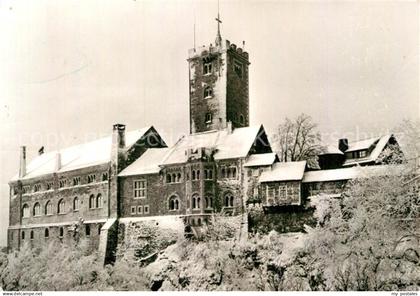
(77, 181)
(241, 119)
(208, 92)
(237, 66)
(209, 118)
(207, 68)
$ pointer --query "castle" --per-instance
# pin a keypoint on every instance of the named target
(220, 167)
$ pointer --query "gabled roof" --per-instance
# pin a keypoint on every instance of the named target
(235, 144)
(379, 144)
(264, 159)
(284, 171)
(79, 156)
(148, 163)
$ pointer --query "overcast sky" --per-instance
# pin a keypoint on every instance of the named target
(71, 69)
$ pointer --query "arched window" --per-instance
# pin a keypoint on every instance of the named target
(87, 230)
(25, 211)
(48, 208)
(23, 234)
(99, 229)
(198, 175)
(61, 207)
(209, 117)
(46, 232)
(91, 201)
(168, 178)
(174, 178)
(61, 231)
(199, 221)
(32, 234)
(105, 177)
(208, 92)
(209, 202)
(178, 177)
(37, 209)
(173, 203)
(195, 201)
(229, 199)
(234, 172)
(99, 201)
(229, 173)
(193, 175)
(223, 173)
(76, 204)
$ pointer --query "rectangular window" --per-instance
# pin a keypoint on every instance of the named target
(140, 210)
(133, 210)
(146, 209)
(140, 189)
(282, 192)
(362, 153)
(255, 172)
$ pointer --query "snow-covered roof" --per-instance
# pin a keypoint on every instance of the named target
(148, 163)
(79, 156)
(361, 145)
(284, 171)
(226, 145)
(349, 173)
(263, 159)
(330, 175)
(331, 150)
(379, 143)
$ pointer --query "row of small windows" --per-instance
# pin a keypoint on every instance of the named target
(173, 178)
(62, 183)
(61, 232)
(94, 202)
(229, 172)
(140, 210)
(195, 175)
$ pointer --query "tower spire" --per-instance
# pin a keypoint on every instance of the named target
(219, 21)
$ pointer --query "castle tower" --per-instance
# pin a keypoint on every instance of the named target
(218, 80)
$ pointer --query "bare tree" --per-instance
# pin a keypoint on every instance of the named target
(298, 139)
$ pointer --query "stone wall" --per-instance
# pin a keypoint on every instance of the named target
(285, 219)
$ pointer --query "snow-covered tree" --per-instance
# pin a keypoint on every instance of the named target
(298, 139)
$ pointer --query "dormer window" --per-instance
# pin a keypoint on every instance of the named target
(209, 118)
(208, 92)
(207, 68)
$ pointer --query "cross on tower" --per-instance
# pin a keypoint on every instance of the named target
(219, 21)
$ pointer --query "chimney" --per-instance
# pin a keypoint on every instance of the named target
(118, 135)
(343, 145)
(22, 165)
(41, 150)
(57, 161)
